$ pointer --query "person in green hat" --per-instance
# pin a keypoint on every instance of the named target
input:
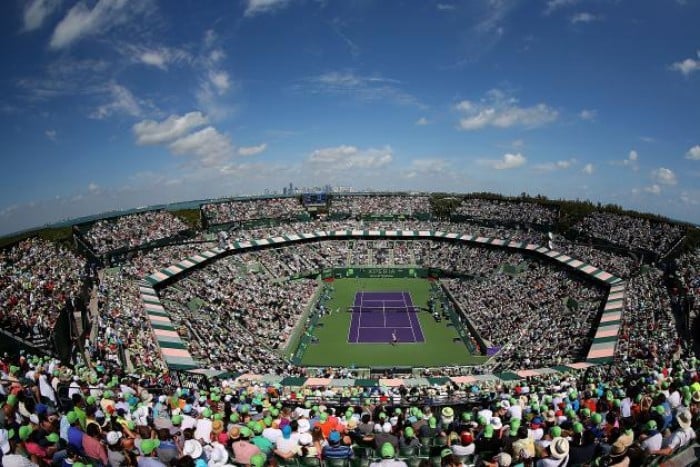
(408, 439)
(75, 433)
(265, 445)
(487, 441)
(149, 451)
(388, 454)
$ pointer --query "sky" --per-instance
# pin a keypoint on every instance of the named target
(115, 104)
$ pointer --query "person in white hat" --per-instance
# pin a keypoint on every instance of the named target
(681, 437)
(557, 454)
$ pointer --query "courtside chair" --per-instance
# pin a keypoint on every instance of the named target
(336, 462)
(282, 462)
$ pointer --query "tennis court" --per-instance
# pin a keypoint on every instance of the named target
(381, 316)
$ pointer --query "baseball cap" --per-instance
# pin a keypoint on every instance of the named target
(387, 450)
(149, 445)
(24, 432)
(113, 437)
(466, 437)
(72, 417)
(287, 432)
(257, 460)
(334, 436)
(488, 431)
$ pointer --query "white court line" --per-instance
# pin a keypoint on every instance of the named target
(359, 326)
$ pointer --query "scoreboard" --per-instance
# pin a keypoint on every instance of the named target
(314, 199)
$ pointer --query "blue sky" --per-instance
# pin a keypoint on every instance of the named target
(111, 104)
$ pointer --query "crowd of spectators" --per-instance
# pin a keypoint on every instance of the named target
(511, 211)
(469, 228)
(380, 205)
(91, 415)
(253, 209)
(620, 264)
(235, 314)
(631, 232)
(648, 331)
(123, 335)
(132, 230)
(37, 278)
(238, 312)
(537, 316)
(687, 272)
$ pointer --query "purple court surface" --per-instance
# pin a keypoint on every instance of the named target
(377, 316)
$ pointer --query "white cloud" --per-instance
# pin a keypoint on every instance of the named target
(252, 150)
(36, 12)
(632, 161)
(588, 114)
(369, 88)
(664, 176)
(588, 169)
(350, 157)
(173, 127)
(557, 165)
(427, 167)
(207, 145)
(445, 7)
(254, 7)
(508, 161)
(214, 82)
(220, 81)
(82, 21)
(583, 17)
(159, 57)
(122, 102)
(554, 5)
(422, 121)
(51, 134)
(500, 111)
(687, 66)
(93, 187)
(653, 189)
(693, 153)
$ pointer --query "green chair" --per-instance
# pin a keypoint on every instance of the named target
(307, 461)
(282, 462)
(336, 462)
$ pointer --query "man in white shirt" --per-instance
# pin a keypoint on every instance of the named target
(651, 439)
(558, 454)
(680, 438)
